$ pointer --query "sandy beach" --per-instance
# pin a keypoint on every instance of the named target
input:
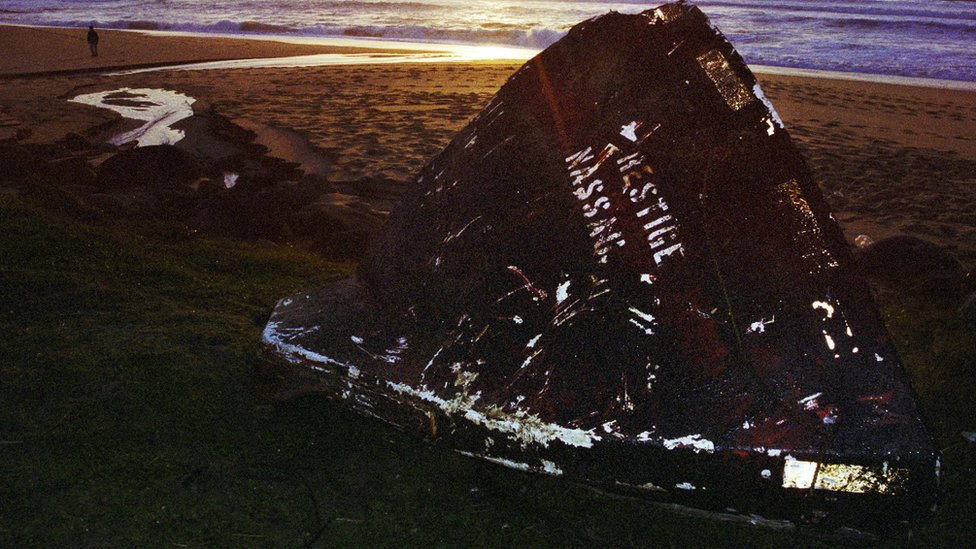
(893, 159)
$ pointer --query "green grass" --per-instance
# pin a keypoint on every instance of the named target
(131, 413)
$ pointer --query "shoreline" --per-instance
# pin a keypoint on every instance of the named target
(35, 51)
(342, 46)
(233, 51)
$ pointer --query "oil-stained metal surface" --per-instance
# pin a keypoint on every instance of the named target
(622, 272)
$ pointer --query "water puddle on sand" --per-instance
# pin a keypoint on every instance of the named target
(159, 109)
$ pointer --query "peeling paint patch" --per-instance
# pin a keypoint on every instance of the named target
(810, 402)
(695, 442)
(272, 337)
(562, 292)
(645, 436)
(759, 326)
(648, 486)
(757, 91)
(545, 466)
(550, 467)
(630, 131)
(643, 321)
(522, 426)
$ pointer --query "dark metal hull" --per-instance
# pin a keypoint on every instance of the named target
(622, 272)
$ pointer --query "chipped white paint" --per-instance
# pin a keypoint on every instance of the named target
(357, 340)
(545, 466)
(644, 321)
(432, 359)
(550, 467)
(649, 486)
(878, 358)
(533, 341)
(810, 402)
(292, 352)
(562, 292)
(528, 360)
(773, 452)
(670, 250)
(645, 436)
(159, 109)
(517, 319)
(647, 278)
(685, 486)
(524, 427)
(696, 442)
(759, 326)
(830, 341)
(629, 131)
(757, 91)
(401, 345)
(230, 179)
(465, 378)
(766, 474)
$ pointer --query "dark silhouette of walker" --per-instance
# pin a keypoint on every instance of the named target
(93, 40)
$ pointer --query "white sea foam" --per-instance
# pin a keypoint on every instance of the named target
(159, 109)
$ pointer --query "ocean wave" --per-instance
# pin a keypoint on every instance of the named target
(933, 38)
(537, 37)
(867, 9)
(530, 38)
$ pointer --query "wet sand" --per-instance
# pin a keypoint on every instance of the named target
(892, 159)
(47, 50)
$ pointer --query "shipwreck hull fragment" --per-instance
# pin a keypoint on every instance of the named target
(622, 272)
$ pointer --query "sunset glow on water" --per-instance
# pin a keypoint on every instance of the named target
(930, 39)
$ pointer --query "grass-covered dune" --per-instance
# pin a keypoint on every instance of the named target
(133, 411)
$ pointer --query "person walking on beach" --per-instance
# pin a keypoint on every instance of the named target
(93, 40)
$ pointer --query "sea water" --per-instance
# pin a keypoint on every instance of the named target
(917, 38)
